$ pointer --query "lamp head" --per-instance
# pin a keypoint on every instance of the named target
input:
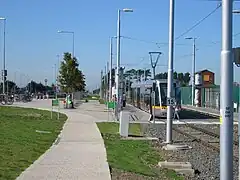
(127, 10)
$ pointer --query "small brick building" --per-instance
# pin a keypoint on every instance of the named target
(204, 78)
(204, 81)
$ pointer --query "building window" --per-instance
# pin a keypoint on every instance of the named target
(206, 78)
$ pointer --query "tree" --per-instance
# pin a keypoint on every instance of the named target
(183, 78)
(137, 74)
(71, 78)
(186, 78)
(175, 75)
(10, 86)
(180, 78)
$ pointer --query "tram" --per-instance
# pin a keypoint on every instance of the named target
(142, 96)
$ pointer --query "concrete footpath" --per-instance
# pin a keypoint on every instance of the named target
(79, 153)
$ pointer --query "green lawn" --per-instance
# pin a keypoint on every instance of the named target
(135, 156)
(20, 144)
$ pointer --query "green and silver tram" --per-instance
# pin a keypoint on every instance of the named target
(141, 96)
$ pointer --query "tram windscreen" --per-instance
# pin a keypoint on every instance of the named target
(163, 89)
(163, 92)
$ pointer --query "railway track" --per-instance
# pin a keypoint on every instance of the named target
(203, 136)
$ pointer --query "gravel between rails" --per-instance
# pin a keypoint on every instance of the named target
(204, 160)
(216, 129)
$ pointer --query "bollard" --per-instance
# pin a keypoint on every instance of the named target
(124, 124)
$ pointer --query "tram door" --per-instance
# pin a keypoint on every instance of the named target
(151, 99)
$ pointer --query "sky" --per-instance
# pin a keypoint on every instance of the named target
(32, 41)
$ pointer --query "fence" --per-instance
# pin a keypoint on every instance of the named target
(210, 96)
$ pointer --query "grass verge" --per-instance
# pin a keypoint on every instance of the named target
(136, 156)
(25, 134)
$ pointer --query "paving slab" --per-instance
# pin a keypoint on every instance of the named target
(79, 154)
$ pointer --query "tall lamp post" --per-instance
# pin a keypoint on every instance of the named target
(170, 72)
(110, 68)
(238, 12)
(226, 91)
(118, 94)
(193, 66)
(4, 73)
(70, 32)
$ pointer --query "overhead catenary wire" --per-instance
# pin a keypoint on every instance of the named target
(184, 33)
(151, 42)
(199, 22)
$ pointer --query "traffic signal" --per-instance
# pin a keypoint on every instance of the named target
(4, 75)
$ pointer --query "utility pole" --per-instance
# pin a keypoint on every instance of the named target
(4, 54)
(110, 71)
(193, 71)
(170, 72)
(193, 68)
(107, 84)
(15, 82)
(119, 94)
(226, 91)
(101, 86)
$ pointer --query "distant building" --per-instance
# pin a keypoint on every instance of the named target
(204, 78)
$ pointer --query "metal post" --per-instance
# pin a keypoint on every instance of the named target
(4, 54)
(154, 73)
(101, 85)
(57, 80)
(118, 61)
(107, 84)
(145, 76)
(110, 71)
(15, 83)
(239, 141)
(73, 44)
(55, 70)
(153, 105)
(129, 89)
(170, 71)
(125, 86)
(193, 71)
(226, 90)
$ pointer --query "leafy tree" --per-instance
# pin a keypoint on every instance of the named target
(183, 78)
(175, 75)
(186, 78)
(10, 86)
(71, 78)
(180, 78)
(137, 74)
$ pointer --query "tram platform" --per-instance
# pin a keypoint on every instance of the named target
(208, 111)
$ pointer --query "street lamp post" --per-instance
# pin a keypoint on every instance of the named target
(73, 39)
(238, 12)
(110, 69)
(226, 91)
(118, 94)
(58, 69)
(4, 52)
(193, 66)
(170, 72)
